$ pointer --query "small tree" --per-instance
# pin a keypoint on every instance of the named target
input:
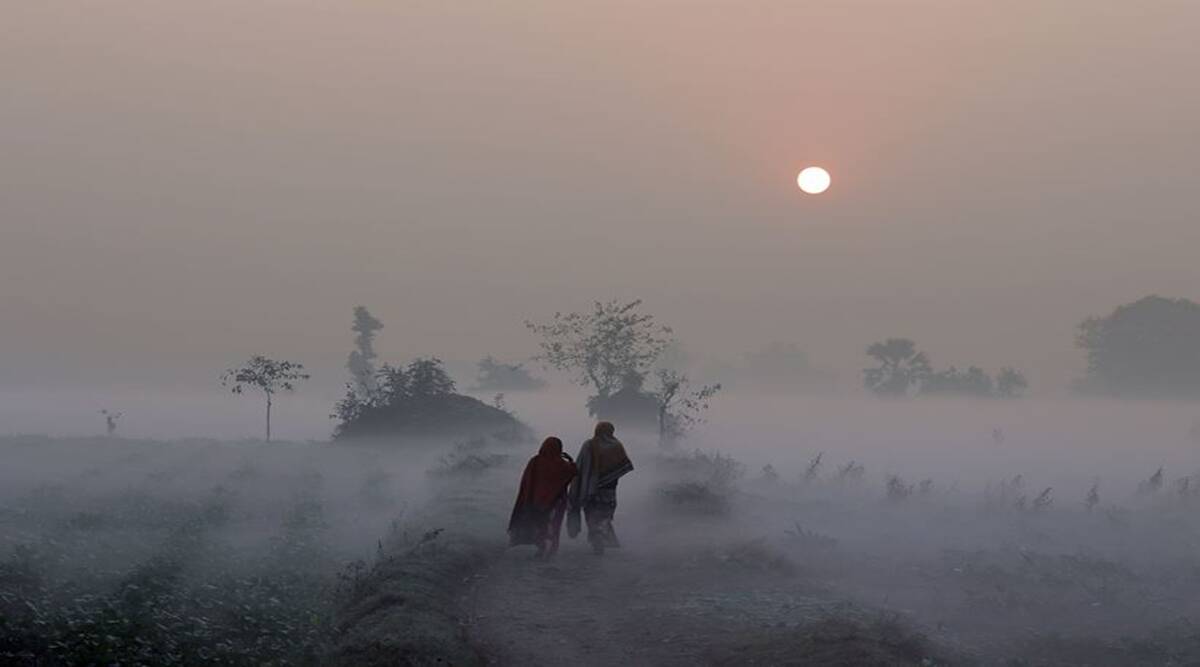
(1010, 383)
(602, 347)
(110, 421)
(361, 362)
(268, 376)
(495, 375)
(901, 366)
(679, 408)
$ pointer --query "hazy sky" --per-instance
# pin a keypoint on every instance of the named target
(183, 184)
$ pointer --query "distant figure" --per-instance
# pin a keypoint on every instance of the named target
(542, 499)
(997, 436)
(110, 421)
(602, 461)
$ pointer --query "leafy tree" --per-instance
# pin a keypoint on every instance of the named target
(419, 399)
(602, 347)
(1010, 383)
(498, 376)
(269, 376)
(971, 382)
(361, 362)
(679, 407)
(1148, 348)
(900, 367)
(426, 377)
(630, 405)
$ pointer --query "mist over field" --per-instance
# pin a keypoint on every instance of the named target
(294, 297)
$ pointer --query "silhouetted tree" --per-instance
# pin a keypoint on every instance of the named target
(361, 362)
(1010, 383)
(604, 346)
(679, 407)
(269, 376)
(971, 382)
(1148, 348)
(419, 399)
(426, 377)
(495, 375)
(901, 367)
(110, 422)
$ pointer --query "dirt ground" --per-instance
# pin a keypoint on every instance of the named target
(700, 606)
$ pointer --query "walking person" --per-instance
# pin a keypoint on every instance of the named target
(542, 499)
(602, 462)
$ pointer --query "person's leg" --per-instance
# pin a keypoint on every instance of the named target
(555, 529)
(595, 525)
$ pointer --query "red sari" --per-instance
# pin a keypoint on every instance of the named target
(542, 499)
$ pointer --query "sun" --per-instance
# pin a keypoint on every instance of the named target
(813, 180)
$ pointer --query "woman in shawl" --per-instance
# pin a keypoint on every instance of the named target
(602, 461)
(542, 499)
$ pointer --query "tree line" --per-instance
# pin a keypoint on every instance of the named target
(1149, 348)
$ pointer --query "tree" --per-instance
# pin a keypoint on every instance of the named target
(269, 376)
(1148, 348)
(498, 376)
(426, 377)
(361, 362)
(110, 421)
(419, 400)
(901, 367)
(1010, 383)
(602, 347)
(971, 382)
(679, 408)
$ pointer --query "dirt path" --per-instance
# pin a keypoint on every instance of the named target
(630, 607)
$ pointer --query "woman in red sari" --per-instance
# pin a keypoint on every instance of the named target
(542, 499)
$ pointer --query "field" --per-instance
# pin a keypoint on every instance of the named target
(182, 552)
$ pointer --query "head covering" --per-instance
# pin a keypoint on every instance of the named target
(543, 485)
(605, 430)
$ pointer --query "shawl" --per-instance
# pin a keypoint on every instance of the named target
(543, 483)
(602, 461)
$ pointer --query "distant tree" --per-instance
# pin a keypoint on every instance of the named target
(495, 375)
(631, 405)
(426, 377)
(419, 399)
(900, 368)
(269, 376)
(602, 347)
(1010, 383)
(780, 366)
(679, 407)
(110, 422)
(953, 382)
(1148, 348)
(361, 362)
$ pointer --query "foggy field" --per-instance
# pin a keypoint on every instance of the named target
(942, 545)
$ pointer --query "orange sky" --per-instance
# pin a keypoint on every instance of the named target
(185, 184)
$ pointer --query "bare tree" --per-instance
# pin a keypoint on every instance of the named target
(604, 346)
(110, 421)
(679, 407)
(269, 376)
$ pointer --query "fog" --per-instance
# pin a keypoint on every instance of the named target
(953, 424)
(184, 186)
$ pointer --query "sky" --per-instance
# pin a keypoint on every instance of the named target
(183, 185)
